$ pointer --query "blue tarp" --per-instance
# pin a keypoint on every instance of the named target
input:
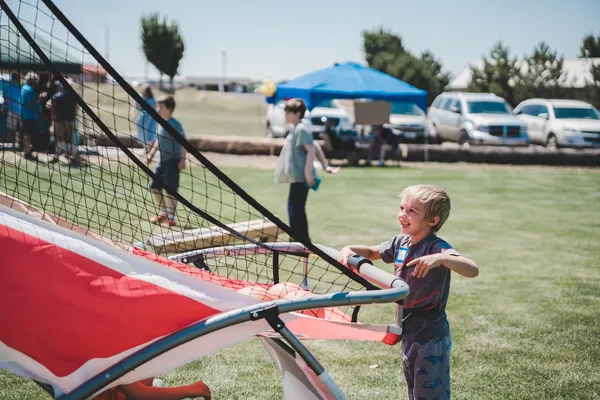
(348, 81)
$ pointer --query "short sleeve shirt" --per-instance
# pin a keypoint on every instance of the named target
(29, 104)
(168, 147)
(12, 94)
(425, 306)
(292, 160)
(65, 106)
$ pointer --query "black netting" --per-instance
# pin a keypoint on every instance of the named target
(89, 172)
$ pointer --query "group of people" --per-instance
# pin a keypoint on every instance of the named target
(421, 258)
(38, 110)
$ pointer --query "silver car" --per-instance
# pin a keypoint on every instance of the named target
(475, 118)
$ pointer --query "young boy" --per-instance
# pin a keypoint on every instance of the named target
(424, 261)
(295, 166)
(171, 162)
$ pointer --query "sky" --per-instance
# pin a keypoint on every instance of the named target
(284, 39)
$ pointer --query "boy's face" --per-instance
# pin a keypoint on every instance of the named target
(163, 111)
(292, 117)
(412, 218)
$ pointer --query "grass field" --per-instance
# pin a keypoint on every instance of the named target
(200, 112)
(527, 328)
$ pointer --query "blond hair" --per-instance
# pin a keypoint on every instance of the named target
(434, 199)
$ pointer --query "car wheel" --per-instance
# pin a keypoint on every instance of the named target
(463, 138)
(552, 142)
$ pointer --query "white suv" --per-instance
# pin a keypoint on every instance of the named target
(328, 111)
(475, 118)
(556, 123)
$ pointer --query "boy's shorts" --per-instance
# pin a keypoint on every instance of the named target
(64, 131)
(426, 368)
(13, 121)
(31, 127)
(169, 172)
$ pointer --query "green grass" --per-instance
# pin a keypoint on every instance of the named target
(200, 112)
(527, 328)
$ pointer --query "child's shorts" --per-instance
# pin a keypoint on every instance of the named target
(426, 368)
(169, 172)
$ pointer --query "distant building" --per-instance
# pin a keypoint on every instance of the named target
(217, 83)
(94, 73)
(576, 72)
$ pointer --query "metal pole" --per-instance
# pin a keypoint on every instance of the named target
(107, 42)
(223, 69)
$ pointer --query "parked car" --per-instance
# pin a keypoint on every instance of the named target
(408, 121)
(475, 118)
(561, 123)
(326, 112)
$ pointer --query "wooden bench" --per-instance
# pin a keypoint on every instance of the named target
(261, 230)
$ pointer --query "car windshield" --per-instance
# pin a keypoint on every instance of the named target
(488, 107)
(405, 108)
(327, 104)
(576, 112)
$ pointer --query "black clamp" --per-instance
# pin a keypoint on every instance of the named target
(271, 315)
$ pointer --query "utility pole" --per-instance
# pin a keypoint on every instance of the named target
(223, 69)
(107, 42)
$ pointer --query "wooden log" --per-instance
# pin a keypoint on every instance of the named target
(202, 238)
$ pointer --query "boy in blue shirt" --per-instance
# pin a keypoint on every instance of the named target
(171, 162)
(295, 166)
(424, 261)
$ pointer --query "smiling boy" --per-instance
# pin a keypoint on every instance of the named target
(424, 261)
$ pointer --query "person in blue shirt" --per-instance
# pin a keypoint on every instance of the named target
(172, 158)
(11, 91)
(30, 114)
(146, 125)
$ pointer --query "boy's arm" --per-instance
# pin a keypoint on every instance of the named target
(183, 158)
(370, 252)
(310, 159)
(324, 163)
(459, 264)
(152, 152)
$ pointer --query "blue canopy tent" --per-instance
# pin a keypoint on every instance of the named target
(348, 80)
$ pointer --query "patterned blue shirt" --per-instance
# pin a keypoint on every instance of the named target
(425, 305)
(168, 147)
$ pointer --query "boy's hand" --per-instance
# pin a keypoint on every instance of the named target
(344, 255)
(425, 264)
(181, 164)
(332, 170)
(149, 160)
(310, 181)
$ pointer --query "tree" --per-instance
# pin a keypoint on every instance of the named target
(379, 42)
(385, 52)
(500, 74)
(162, 45)
(542, 74)
(590, 47)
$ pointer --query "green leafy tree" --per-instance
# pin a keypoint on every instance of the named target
(162, 45)
(590, 47)
(500, 74)
(385, 52)
(542, 74)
